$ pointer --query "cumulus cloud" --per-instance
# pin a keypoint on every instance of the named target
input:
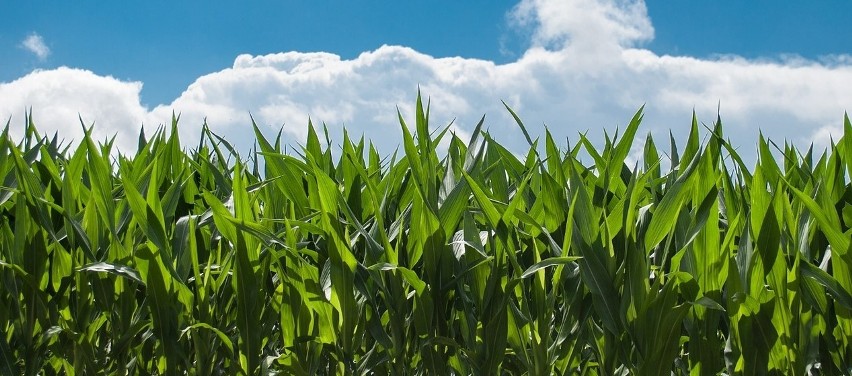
(585, 69)
(595, 27)
(61, 97)
(35, 43)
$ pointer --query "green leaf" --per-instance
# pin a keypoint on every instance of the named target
(488, 208)
(622, 149)
(827, 220)
(8, 365)
(666, 211)
(114, 269)
(553, 261)
(833, 287)
(221, 335)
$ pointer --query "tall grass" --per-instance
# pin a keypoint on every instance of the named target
(338, 260)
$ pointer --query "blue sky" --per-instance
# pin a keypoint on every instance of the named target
(751, 29)
(182, 51)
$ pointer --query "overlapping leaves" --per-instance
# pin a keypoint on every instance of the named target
(472, 260)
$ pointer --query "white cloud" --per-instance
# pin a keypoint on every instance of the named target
(585, 70)
(61, 97)
(589, 25)
(35, 44)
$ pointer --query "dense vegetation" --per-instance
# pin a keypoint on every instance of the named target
(336, 260)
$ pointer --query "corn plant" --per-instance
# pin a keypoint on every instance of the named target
(336, 259)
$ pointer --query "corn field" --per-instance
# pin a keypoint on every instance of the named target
(333, 259)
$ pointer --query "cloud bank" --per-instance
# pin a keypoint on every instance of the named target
(585, 69)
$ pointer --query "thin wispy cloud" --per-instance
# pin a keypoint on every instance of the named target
(35, 43)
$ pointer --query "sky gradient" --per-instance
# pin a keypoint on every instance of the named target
(573, 65)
